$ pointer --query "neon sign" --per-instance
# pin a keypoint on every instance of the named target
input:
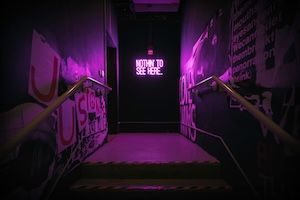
(151, 67)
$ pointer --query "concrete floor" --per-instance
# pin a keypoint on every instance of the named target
(150, 147)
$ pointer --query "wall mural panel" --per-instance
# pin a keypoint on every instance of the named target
(254, 47)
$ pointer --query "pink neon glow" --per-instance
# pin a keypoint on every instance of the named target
(150, 67)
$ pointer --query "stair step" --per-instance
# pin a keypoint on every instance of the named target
(189, 170)
(149, 188)
(148, 166)
(150, 184)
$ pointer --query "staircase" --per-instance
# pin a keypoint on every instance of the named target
(153, 174)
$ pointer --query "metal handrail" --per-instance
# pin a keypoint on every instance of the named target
(25, 132)
(261, 117)
(230, 154)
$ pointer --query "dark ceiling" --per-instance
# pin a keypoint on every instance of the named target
(156, 10)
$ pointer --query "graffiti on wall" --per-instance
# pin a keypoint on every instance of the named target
(262, 100)
(71, 133)
(187, 106)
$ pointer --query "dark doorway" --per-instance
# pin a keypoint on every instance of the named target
(113, 95)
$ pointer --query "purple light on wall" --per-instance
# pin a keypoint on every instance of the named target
(151, 67)
(72, 71)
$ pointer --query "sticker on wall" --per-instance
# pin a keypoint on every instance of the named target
(44, 70)
(66, 125)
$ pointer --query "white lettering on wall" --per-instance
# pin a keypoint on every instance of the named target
(150, 67)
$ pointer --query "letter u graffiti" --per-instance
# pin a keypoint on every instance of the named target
(65, 141)
(46, 97)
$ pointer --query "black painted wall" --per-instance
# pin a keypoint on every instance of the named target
(149, 99)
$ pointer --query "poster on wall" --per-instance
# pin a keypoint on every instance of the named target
(44, 70)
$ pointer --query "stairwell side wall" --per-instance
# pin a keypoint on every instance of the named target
(46, 47)
(251, 45)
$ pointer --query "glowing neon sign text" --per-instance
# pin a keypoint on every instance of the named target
(150, 67)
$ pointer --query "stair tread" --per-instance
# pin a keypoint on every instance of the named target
(205, 162)
(151, 184)
(150, 147)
